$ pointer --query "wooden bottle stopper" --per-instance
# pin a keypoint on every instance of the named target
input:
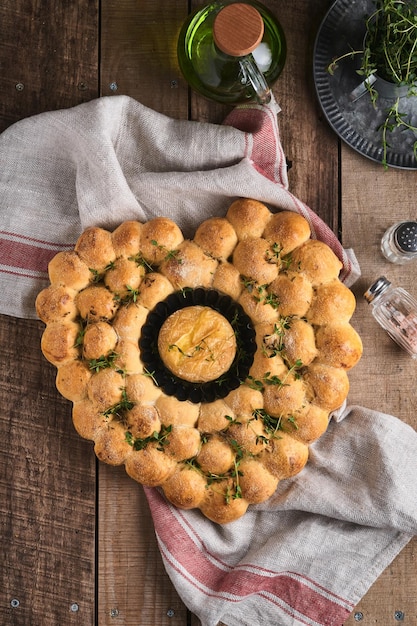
(238, 29)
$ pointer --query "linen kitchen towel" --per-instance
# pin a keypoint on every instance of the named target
(113, 159)
(309, 554)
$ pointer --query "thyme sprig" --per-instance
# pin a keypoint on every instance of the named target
(274, 344)
(232, 421)
(97, 276)
(233, 491)
(140, 261)
(103, 362)
(130, 297)
(169, 254)
(118, 410)
(390, 50)
(272, 425)
(203, 345)
(79, 340)
(269, 379)
(151, 375)
(260, 293)
(161, 437)
(390, 43)
(395, 119)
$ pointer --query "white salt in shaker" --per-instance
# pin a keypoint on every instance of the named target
(396, 311)
(399, 242)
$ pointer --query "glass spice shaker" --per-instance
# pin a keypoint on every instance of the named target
(396, 311)
(399, 242)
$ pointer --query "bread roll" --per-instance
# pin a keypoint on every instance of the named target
(316, 261)
(111, 446)
(186, 488)
(287, 231)
(95, 248)
(173, 411)
(293, 294)
(256, 482)
(285, 456)
(227, 280)
(72, 380)
(153, 289)
(96, 303)
(214, 416)
(150, 466)
(327, 386)
(126, 239)
(255, 260)
(55, 303)
(222, 504)
(58, 342)
(332, 303)
(189, 267)
(99, 340)
(124, 277)
(159, 238)
(215, 456)
(216, 237)
(338, 345)
(248, 217)
(68, 270)
(143, 421)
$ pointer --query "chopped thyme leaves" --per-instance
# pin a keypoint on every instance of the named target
(293, 421)
(169, 254)
(96, 276)
(161, 437)
(274, 254)
(141, 262)
(271, 424)
(119, 409)
(109, 266)
(260, 293)
(103, 362)
(79, 340)
(267, 379)
(274, 343)
(146, 372)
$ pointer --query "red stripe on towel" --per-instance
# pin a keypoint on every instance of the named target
(266, 152)
(26, 255)
(284, 589)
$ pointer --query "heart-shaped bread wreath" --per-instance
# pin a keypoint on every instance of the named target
(205, 366)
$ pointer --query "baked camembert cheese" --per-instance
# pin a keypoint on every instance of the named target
(197, 344)
(206, 367)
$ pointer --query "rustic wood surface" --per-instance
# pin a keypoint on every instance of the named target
(77, 539)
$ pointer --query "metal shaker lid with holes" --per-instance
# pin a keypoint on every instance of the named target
(405, 237)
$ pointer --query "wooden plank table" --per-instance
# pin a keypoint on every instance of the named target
(77, 538)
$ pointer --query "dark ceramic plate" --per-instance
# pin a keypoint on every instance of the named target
(358, 123)
(194, 392)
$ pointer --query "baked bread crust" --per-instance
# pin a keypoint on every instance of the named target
(225, 453)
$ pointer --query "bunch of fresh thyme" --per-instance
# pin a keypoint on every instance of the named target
(390, 51)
